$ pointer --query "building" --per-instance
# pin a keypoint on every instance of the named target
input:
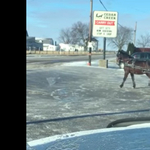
(45, 40)
(48, 44)
(32, 44)
(70, 47)
(74, 47)
(45, 44)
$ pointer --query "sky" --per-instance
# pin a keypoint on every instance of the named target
(45, 18)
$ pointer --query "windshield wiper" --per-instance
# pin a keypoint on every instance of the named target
(128, 121)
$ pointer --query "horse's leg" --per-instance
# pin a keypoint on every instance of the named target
(148, 74)
(124, 79)
(132, 77)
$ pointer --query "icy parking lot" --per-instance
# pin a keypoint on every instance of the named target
(74, 88)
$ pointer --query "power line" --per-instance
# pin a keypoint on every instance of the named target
(103, 5)
(107, 10)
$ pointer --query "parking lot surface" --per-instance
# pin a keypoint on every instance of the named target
(76, 89)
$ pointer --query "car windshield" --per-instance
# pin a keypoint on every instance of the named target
(73, 80)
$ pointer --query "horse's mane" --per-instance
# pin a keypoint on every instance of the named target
(125, 53)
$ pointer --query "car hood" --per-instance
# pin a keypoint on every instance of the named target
(131, 137)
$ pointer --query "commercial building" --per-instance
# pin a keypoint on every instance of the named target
(35, 43)
(32, 44)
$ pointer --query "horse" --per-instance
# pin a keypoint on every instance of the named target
(134, 66)
(121, 57)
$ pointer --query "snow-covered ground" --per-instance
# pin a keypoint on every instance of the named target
(94, 63)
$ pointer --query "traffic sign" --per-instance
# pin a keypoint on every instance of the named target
(105, 24)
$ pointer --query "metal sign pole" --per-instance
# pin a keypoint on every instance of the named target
(104, 48)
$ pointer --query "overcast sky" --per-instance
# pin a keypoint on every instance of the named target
(45, 18)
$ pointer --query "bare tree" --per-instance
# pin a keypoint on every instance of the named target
(144, 40)
(77, 34)
(65, 36)
(124, 36)
(80, 33)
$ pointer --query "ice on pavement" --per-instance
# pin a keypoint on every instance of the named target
(111, 65)
(94, 63)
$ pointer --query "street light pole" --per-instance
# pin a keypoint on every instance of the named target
(90, 32)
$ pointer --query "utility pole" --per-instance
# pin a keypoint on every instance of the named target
(135, 33)
(90, 32)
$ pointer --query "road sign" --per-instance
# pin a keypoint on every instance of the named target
(105, 24)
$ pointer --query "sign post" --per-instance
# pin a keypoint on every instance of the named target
(104, 48)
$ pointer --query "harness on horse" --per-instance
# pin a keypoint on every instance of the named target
(132, 65)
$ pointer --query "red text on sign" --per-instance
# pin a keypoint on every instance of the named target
(103, 22)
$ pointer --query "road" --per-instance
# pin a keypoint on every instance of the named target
(63, 90)
(49, 59)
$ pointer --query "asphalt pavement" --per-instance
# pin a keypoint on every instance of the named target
(47, 59)
(75, 89)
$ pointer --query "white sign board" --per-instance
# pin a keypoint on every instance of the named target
(105, 24)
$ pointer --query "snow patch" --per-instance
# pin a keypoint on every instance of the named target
(94, 64)
(51, 81)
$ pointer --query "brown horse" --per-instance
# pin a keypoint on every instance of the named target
(121, 58)
(134, 66)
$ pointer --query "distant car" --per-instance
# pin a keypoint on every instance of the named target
(141, 55)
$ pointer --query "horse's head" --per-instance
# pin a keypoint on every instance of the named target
(122, 54)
